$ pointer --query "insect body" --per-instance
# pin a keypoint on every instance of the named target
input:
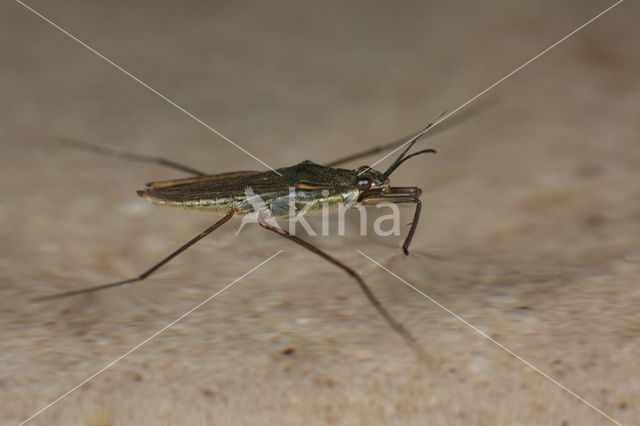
(315, 185)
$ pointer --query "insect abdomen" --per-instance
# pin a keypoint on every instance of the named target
(217, 203)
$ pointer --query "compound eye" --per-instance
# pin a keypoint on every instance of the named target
(363, 184)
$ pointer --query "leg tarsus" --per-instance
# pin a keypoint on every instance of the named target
(147, 272)
(390, 319)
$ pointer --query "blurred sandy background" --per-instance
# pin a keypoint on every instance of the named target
(529, 230)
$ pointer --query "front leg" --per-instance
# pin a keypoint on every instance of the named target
(402, 195)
